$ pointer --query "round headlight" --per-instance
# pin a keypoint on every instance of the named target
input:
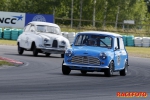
(46, 40)
(68, 53)
(103, 56)
(63, 42)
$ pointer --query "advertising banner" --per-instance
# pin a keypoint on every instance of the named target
(12, 20)
(38, 17)
(20, 20)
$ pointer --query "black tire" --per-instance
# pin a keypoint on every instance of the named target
(62, 55)
(65, 69)
(83, 72)
(125, 70)
(35, 51)
(20, 50)
(109, 72)
(47, 54)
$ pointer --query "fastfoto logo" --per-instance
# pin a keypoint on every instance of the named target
(11, 20)
(131, 94)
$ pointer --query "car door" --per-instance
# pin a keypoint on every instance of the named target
(23, 36)
(28, 36)
(123, 53)
(117, 54)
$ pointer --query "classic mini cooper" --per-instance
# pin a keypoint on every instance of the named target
(42, 37)
(96, 51)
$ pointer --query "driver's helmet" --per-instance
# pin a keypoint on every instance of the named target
(91, 41)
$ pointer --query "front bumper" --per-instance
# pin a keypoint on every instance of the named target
(86, 67)
(53, 50)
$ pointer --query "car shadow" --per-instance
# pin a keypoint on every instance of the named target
(30, 55)
(86, 75)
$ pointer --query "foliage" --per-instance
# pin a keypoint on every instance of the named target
(106, 10)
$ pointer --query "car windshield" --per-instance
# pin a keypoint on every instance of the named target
(94, 40)
(48, 29)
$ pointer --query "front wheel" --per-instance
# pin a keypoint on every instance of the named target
(109, 71)
(125, 70)
(35, 51)
(20, 50)
(65, 69)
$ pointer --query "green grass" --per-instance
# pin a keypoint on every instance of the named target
(5, 63)
(139, 51)
(8, 42)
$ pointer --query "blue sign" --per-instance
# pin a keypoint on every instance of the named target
(38, 17)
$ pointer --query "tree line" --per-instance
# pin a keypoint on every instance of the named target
(94, 10)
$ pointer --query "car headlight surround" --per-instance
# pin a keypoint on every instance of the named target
(63, 43)
(69, 53)
(103, 55)
(46, 40)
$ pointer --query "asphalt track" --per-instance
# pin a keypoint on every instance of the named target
(40, 78)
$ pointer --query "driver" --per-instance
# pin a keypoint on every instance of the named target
(91, 42)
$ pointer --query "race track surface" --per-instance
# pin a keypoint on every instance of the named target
(40, 78)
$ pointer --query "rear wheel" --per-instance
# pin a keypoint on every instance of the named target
(65, 69)
(35, 50)
(83, 72)
(20, 50)
(109, 71)
(47, 54)
(125, 70)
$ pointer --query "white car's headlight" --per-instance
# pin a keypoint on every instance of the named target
(63, 42)
(46, 40)
(68, 53)
(103, 55)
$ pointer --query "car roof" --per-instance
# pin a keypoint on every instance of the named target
(101, 33)
(43, 23)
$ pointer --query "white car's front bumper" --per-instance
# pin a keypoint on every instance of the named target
(53, 50)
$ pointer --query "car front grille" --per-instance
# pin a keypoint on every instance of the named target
(85, 60)
(55, 43)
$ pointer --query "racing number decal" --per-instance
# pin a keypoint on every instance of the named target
(118, 59)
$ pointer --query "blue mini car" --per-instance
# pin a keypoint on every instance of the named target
(96, 51)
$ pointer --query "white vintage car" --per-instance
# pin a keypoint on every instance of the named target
(42, 37)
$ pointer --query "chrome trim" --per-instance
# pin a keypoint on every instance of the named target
(85, 65)
(88, 60)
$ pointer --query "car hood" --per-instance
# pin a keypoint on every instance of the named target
(53, 36)
(89, 50)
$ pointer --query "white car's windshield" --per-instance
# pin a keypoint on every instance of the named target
(48, 29)
(93, 40)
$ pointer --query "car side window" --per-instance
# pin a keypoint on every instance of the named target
(27, 28)
(116, 43)
(32, 29)
(121, 43)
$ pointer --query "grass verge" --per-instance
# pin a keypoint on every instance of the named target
(8, 42)
(139, 51)
(5, 63)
